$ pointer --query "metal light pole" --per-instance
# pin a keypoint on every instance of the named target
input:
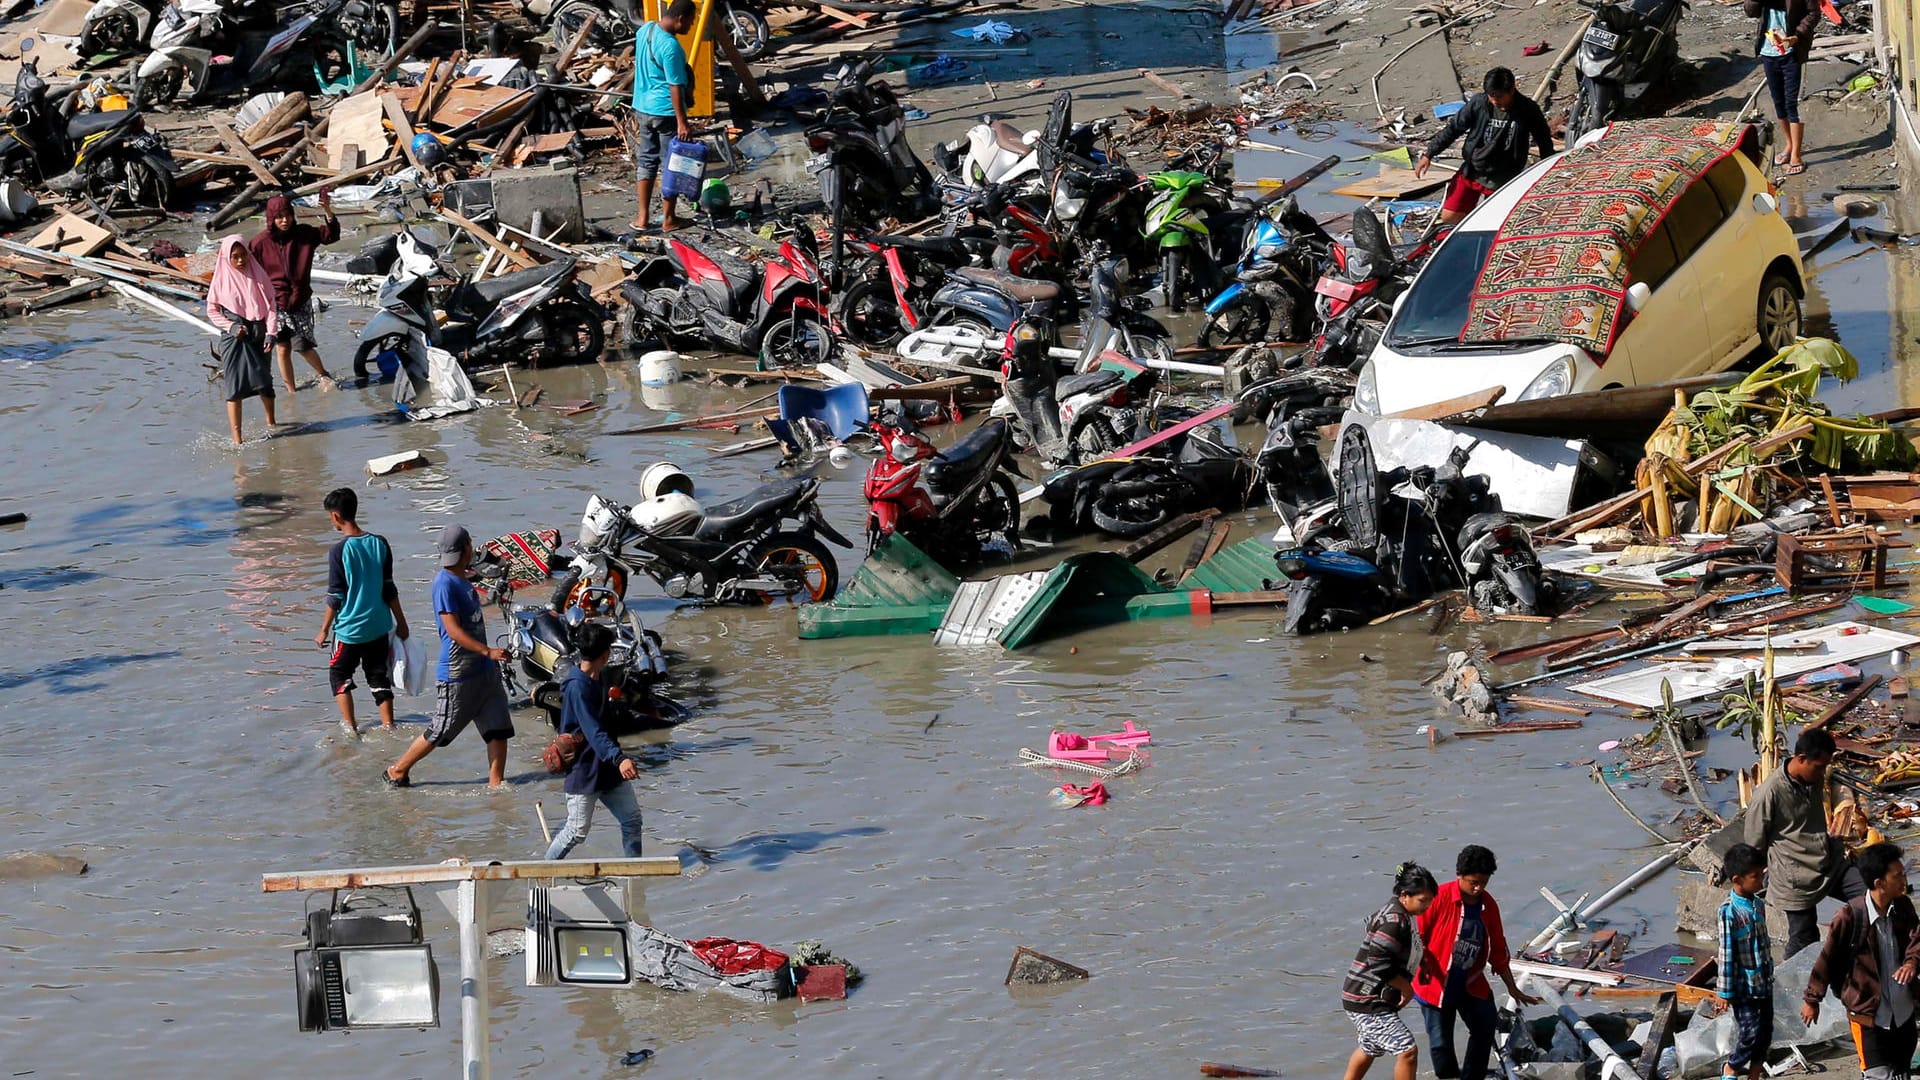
(473, 884)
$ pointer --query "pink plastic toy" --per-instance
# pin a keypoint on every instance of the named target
(1068, 746)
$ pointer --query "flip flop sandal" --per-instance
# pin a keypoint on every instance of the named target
(1780, 158)
(1795, 170)
(405, 781)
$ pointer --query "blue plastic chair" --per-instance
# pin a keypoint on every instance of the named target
(843, 409)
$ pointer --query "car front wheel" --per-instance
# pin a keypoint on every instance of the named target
(1778, 319)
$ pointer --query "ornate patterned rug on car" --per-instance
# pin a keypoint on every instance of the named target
(1558, 265)
(528, 555)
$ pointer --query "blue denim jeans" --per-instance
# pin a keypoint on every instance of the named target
(1479, 1014)
(619, 802)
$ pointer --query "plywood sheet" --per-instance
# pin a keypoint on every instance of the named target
(357, 121)
(71, 235)
(1396, 184)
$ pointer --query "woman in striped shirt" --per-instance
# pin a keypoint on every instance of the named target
(1380, 981)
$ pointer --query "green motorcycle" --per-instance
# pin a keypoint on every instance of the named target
(1176, 227)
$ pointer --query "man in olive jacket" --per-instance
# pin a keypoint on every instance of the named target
(1788, 821)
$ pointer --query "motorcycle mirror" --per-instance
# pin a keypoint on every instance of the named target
(26, 46)
(576, 616)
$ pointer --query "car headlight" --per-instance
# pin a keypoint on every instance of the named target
(1366, 392)
(1556, 380)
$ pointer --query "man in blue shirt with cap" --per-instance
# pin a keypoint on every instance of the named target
(661, 83)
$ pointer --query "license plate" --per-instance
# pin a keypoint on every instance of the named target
(1601, 37)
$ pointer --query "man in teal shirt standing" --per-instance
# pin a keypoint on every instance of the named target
(363, 607)
(661, 83)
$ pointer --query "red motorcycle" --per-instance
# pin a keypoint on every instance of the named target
(1355, 293)
(888, 295)
(701, 293)
(951, 505)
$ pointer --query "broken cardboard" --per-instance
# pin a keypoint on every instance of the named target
(72, 235)
(1038, 969)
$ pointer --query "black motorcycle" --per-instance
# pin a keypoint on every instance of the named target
(540, 645)
(110, 156)
(1631, 45)
(735, 551)
(1130, 497)
(865, 168)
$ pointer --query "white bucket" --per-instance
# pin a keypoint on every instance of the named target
(660, 368)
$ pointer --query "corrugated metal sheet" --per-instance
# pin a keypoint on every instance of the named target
(1084, 590)
(981, 609)
(1243, 567)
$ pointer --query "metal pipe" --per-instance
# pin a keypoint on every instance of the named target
(142, 296)
(474, 1064)
(1611, 1064)
(1565, 922)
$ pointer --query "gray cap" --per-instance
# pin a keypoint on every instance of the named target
(454, 542)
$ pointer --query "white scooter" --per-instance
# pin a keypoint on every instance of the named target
(434, 384)
(996, 153)
(117, 25)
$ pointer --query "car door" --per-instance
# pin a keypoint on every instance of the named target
(1738, 264)
(1710, 251)
(1670, 331)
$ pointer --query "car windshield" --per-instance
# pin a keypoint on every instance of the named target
(1435, 310)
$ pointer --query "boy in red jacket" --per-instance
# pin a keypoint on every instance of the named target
(1462, 935)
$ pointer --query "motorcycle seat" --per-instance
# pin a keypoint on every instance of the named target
(722, 520)
(1024, 290)
(1086, 382)
(741, 275)
(82, 125)
(495, 289)
(1010, 138)
(942, 246)
(957, 464)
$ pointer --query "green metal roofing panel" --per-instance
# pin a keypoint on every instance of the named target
(1090, 589)
(898, 590)
(1243, 567)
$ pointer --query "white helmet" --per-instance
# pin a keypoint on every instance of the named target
(661, 478)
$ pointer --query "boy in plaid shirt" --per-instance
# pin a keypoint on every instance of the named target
(1746, 961)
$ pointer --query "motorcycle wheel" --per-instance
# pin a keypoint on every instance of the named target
(142, 184)
(364, 356)
(1171, 281)
(112, 33)
(383, 29)
(870, 315)
(800, 340)
(1128, 510)
(751, 34)
(997, 513)
(1242, 322)
(574, 333)
(803, 562)
(160, 89)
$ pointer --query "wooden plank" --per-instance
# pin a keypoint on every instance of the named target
(399, 56)
(238, 147)
(700, 421)
(1164, 83)
(402, 127)
(338, 179)
(1160, 538)
(1520, 728)
(1549, 704)
(517, 257)
(1454, 406)
(70, 234)
(79, 290)
(1839, 708)
(1632, 404)
(1249, 599)
(536, 870)
(1176, 430)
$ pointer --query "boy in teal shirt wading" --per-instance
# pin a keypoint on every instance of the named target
(661, 82)
(363, 607)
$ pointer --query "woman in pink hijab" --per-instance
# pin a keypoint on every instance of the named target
(240, 303)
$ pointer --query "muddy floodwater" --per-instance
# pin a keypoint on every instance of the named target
(164, 714)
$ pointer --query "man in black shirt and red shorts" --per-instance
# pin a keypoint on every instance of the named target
(1499, 125)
